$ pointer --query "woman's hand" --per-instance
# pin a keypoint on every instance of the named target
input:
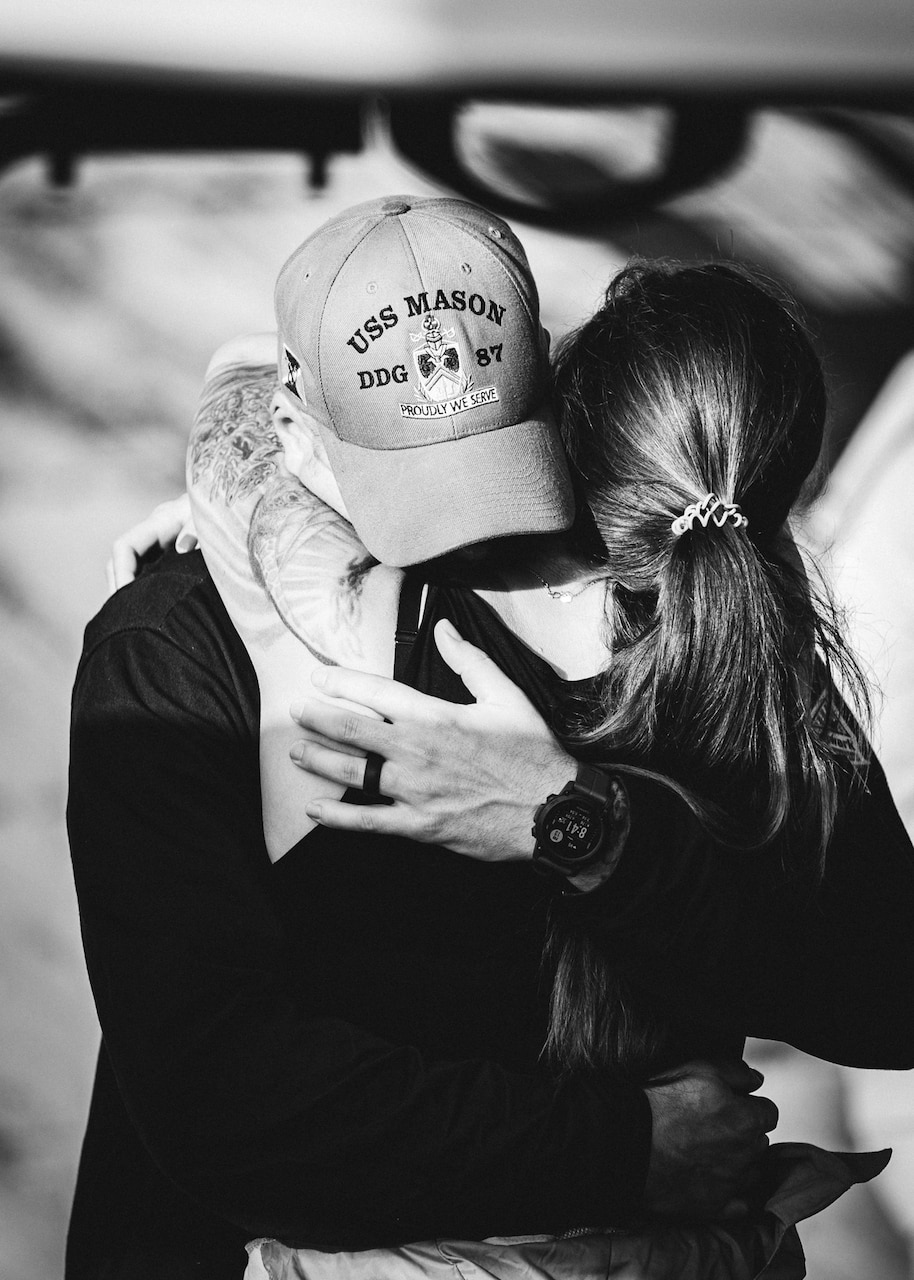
(170, 522)
(466, 777)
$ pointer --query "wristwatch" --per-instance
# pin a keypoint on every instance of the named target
(582, 827)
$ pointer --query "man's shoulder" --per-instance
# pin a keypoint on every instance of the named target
(173, 603)
(172, 584)
(167, 640)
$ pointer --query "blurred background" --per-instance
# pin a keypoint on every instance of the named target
(157, 167)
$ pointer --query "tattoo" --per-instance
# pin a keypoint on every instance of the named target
(258, 522)
(309, 562)
(233, 447)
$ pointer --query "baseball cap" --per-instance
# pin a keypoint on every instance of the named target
(409, 330)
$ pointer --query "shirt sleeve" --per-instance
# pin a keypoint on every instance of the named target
(831, 964)
(733, 943)
(303, 1128)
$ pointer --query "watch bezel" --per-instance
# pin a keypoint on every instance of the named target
(604, 795)
(546, 853)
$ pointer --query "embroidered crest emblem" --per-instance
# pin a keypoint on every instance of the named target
(438, 362)
(291, 378)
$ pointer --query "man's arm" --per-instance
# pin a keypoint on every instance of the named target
(304, 1128)
(293, 1125)
(827, 967)
(299, 587)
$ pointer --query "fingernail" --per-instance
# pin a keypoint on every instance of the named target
(297, 752)
(319, 676)
(186, 542)
(296, 711)
(314, 811)
(448, 629)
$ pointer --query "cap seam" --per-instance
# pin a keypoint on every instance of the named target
(422, 281)
(484, 244)
(320, 323)
(412, 248)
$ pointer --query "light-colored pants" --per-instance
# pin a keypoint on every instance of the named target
(805, 1180)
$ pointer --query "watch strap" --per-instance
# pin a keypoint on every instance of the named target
(607, 791)
(594, 782)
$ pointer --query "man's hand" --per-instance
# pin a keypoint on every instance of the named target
(467, 777)
(708, 1139)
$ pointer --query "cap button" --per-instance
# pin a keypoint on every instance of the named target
(393, 207)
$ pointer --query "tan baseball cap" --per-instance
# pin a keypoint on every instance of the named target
(409, 329)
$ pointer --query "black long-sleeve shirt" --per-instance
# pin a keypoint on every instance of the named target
(341, 1050)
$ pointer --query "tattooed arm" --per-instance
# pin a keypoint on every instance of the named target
(298, 585)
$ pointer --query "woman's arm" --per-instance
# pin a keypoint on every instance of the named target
(170, 524)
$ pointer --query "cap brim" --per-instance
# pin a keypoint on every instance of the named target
(411, 505)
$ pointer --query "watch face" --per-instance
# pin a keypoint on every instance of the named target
(574, 830)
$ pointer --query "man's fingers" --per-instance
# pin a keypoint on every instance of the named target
(380, 819)
(346, 748)
(339, 725)
(335, 766)
(387, 697)
(483, 678)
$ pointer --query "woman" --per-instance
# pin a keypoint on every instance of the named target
(723, 668)
(691, 381)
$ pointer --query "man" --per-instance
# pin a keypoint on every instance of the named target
(340, 1049)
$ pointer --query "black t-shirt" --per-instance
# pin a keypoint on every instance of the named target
(339, 1050)
(342, 1049)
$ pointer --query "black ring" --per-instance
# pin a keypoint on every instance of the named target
(371, 784)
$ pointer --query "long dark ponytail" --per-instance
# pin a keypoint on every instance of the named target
(694, 380)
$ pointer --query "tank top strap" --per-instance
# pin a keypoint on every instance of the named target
(409, 615)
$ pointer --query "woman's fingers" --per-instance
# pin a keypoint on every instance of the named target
(121, 568)
(768, 1114)
(167, 522)
(187, 539)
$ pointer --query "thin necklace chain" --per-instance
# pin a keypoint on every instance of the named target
(564, 597)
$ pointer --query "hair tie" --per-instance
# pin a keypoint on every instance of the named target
(709, 511)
